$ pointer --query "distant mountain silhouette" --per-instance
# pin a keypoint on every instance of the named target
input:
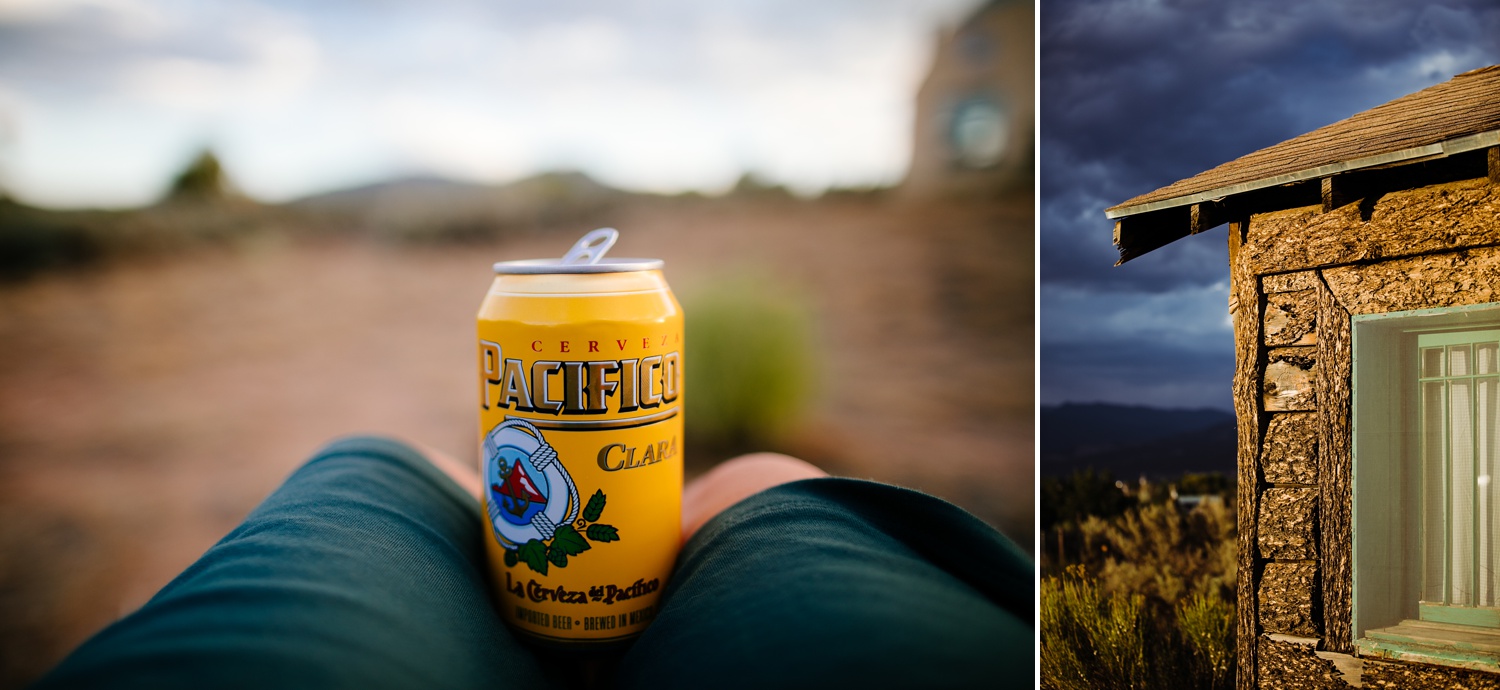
(1129, 441)
(423, 206)
(441, 190)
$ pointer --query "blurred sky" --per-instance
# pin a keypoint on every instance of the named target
(101, 101)
(1137, 94)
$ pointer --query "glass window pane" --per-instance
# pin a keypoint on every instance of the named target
(1487, 423)
(1461, 480)
(1458, 360)
(1434, 501)
(1432, 362)
(1485, 355)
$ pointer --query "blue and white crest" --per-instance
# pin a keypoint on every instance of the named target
(528, 491)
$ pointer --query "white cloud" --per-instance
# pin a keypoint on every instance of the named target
(1189, 317)
(275, 61)
(660, 96)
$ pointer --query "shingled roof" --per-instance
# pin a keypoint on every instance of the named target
(1461, 114)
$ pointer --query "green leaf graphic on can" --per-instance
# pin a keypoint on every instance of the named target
(534, 553)
(603, 533)
(566, 540)
(595, 507)
(569, 541)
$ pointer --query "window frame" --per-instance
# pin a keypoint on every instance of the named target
(1398, 630)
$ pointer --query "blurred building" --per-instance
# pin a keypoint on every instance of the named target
(974, 119)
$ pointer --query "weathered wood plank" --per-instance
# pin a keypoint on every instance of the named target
(1290, 317)
(1332, 190)
(1437, 280)
(1402, 223)
(1137, 235)
(1287, 523)
(1293, 663)
(1286, 598)
(1288, 282)
(1290, 379)
(1208, 215)
(1245, 313)
(1289, 454)
(1335, 471)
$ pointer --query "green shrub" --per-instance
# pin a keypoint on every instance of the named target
(1206, 623)
(1163, 552)
(1168, 571)
(1096, 639)
(1091, 640)
(1081, 493)
(749, 363)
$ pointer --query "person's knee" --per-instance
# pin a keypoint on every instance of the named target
(735, 480)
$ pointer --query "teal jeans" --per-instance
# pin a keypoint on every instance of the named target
(366, 570)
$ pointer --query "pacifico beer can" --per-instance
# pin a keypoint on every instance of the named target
(580, 420)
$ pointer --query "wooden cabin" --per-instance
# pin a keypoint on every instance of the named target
(1365, 269)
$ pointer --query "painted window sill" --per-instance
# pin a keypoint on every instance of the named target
(1439, 644)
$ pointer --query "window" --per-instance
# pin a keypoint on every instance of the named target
(978, 132)
(1427, 486)
(1460, 520)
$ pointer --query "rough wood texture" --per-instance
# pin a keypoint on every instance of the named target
(1296, 666)
(1290, 382)
(1208, 215)
(1492, 161)
(1290, 452)
(1385, 674)
(1332, 191)
(1290, 317)
(1286, 598)
(1289, 282)
(1137, 235)
(1245, 313)
(1335, 471)
(1406, 223)
(1288, 521)
(1437, 280)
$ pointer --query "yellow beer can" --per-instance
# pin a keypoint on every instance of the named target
(580, 420)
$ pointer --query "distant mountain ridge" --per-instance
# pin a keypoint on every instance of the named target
(436, 189)
(427, 207)
(1130, 441)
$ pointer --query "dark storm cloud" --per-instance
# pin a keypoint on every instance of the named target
(1137, 94)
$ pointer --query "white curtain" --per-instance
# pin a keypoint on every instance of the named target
(1461, 476)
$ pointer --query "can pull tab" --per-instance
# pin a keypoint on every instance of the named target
(590, 248)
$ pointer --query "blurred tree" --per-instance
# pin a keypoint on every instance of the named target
(203, 180)
(1083, 493)
(1206, 484)
(751, 185)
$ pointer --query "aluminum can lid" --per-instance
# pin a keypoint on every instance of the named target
(586, 256)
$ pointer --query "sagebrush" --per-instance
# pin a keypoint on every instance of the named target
(1143, 599)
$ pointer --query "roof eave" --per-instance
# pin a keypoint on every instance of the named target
(1412, 155)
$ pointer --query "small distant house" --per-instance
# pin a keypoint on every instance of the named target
(1365, 270)
(974, 110)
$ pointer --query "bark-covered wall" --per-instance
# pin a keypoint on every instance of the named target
(1298, 276)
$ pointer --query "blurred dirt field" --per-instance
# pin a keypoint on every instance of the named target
(147, 407)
